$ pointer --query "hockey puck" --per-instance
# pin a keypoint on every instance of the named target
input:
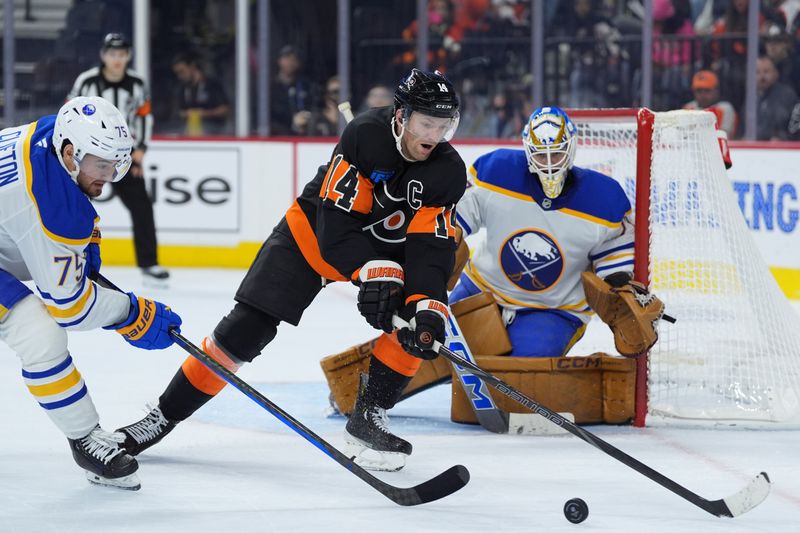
(576, 510)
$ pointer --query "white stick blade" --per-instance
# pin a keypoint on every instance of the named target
(749, 497)
(534, 424)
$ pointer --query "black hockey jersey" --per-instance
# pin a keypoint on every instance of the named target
(369, 203)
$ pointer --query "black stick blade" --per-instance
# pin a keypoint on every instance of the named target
(445, 484)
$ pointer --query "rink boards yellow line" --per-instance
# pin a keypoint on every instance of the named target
(120, 252)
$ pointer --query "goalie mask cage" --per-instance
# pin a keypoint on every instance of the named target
(733, 356)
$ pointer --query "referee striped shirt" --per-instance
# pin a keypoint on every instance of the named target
(129, 95)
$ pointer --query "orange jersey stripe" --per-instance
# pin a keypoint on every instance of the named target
(435, 220)
(307, 242)
(391, 354)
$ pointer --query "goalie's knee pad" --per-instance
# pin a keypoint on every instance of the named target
(245, 331)
(33, 334)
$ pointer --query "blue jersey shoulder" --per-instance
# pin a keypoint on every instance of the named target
(505, 168)
(64, 209)
(597, 195)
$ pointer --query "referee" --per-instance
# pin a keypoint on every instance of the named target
(115, 82)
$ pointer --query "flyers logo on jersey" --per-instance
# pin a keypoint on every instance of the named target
(532, 260)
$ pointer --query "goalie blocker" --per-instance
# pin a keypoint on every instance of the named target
(594, 389)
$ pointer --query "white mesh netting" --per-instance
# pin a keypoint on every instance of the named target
(734, 353)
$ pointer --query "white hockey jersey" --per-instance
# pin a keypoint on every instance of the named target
(535, 247)
(46, 223)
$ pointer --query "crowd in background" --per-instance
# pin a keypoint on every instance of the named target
(592, 59)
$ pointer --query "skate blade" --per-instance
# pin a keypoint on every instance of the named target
(374, 460)
(130, 482)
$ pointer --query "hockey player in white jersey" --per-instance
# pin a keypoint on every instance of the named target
(48, 234)
(546, 221)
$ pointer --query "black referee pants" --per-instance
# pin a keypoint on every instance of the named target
(133, 195)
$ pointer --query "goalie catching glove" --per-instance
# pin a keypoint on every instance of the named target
(426, 319)
(629, 310)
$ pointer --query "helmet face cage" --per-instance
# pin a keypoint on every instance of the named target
(428, 127)
(549, 139)
(94, 126)
(431, 94)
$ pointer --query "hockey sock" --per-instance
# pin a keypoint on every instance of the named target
(60, 390)
(195, 384)
(384, 385)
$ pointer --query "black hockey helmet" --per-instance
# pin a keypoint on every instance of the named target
(115, 40)
(430, 93)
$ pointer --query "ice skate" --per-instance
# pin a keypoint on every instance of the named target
(146, 432)
(105, 462)
(368, 441)
(155, 277)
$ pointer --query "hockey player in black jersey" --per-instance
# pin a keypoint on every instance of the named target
(379, 214)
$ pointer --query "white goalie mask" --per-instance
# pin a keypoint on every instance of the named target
(99, 135)
(549, 139)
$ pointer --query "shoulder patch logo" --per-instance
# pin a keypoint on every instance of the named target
(532, 260)
(379, 175)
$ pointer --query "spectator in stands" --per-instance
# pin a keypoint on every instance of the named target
(322, 122)
(779, 46)
(776, 101)
(730, 55)
(593, 47)
(201, 100)
(672, 51)
(445, 37)
(503, 122)
(379, 96)
(705, 86)
(291, 95)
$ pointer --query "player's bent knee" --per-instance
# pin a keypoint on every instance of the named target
(33, 334)
(245, 331)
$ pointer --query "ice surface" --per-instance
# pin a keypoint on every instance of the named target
(233, 467)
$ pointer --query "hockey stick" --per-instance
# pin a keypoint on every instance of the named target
(436, 488)
(739, 503)
(489, 416)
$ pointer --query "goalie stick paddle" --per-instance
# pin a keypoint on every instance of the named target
(444, 484)
(739, 503)
(489, 416)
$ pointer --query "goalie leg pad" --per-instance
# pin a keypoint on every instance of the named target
(595, 389)
(342, 372)
(481, 324)
(462, 256)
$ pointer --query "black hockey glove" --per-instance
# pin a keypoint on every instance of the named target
(426, 319)
(380, 292)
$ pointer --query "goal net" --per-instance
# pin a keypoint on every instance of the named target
(733, 356)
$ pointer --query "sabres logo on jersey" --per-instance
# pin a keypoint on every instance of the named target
(531, 260)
